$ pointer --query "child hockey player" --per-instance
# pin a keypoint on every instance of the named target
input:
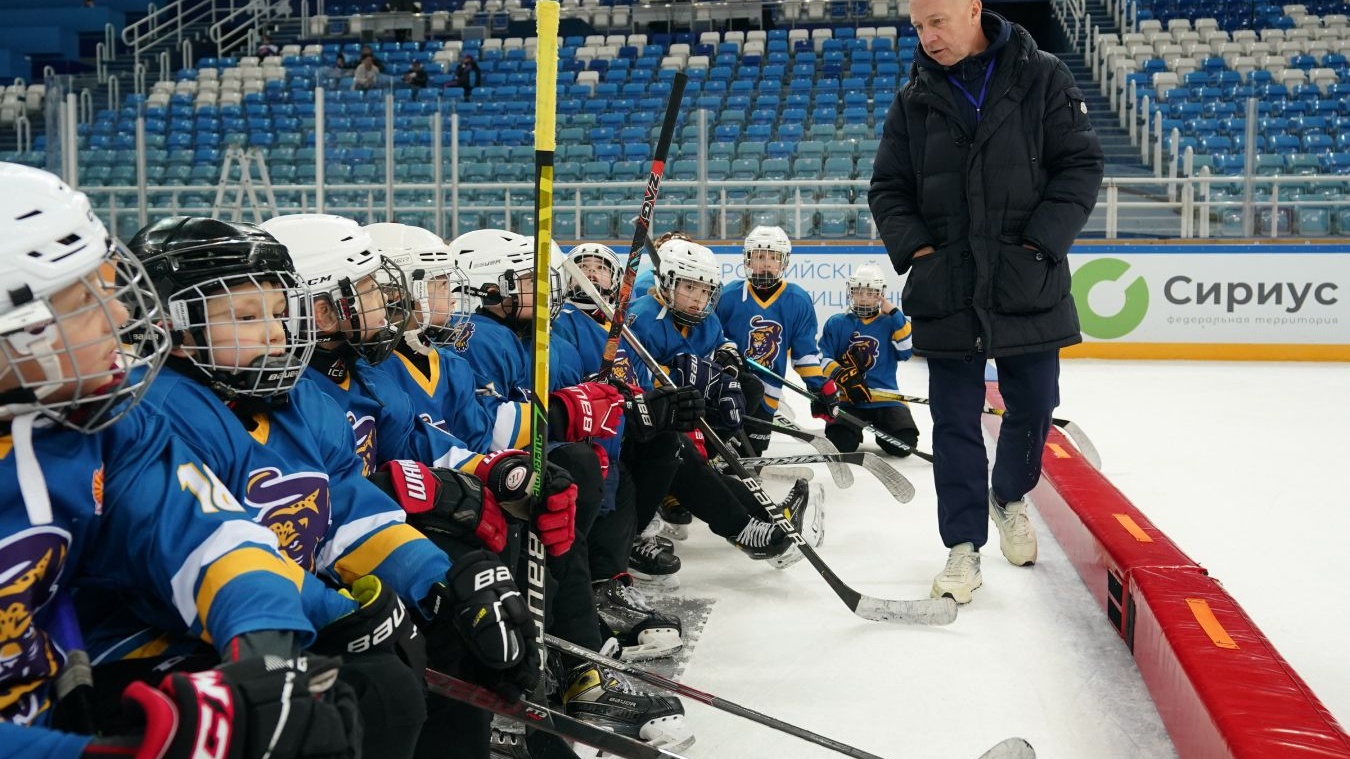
(243, 331)
(770, 321)
(501, 271)
(863, 348)
(101, 498)
(676, 324)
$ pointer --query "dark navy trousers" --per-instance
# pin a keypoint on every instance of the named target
(1030, 387)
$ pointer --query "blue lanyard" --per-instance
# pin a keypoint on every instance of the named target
(984, 89)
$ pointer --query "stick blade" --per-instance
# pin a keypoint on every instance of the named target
(1083, 443)
(922, 611)
(780, 472)
(899, 486)
(841, 475)
(1012, 748)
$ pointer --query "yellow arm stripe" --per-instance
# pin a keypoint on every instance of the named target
(363, 559)
(235, 563)
(523, 433)
(808, 370)
(772, 403)
(150, 650)
(902, 333)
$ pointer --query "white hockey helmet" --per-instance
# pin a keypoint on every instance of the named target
(607, 258)
(496, 261)
(50, 240)
(688, 263)
(338, 262)
(436, 285)
(773, 240)
(866, 289)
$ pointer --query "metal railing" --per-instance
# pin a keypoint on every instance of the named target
(241, 26)
(159, 23)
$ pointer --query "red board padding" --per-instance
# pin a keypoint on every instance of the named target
(1221, 687)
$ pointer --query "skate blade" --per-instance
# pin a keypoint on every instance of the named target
(656, 583)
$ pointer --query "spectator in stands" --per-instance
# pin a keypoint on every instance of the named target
(988, 169)
(340, 63)
(266, 48)
(467, 74)
(89, 3)
(416, 78)
(366, 51)
(366, 74)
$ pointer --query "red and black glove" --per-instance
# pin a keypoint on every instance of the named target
(508, 475)
(444, 502)
(825, 401)
(588, 410)
(263, 706)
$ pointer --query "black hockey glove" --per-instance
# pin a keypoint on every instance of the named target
(265, 706)
(721, 390)
(666, 409)
(445, 503)
(481, 627)
(381, 623)
(729, 358)
(853, 385)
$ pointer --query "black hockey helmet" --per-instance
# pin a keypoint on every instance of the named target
(196, 265)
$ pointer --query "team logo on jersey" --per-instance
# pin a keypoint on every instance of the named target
(623, 368)
(765, 337)
(457, 337)
(295, 507)
(862, 352)
(96, 489)
(29, 571)
(365, 441)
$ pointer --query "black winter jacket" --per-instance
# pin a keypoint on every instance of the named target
(1029, 174)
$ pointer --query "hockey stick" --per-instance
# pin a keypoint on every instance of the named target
(839, 414)
(642, 223)
(545, 118)
(926, 611)
(900, 488)
(1012, 748)
(777, 471)
(842, 475)
(792, 430)
(533, 715)
(1080, 439)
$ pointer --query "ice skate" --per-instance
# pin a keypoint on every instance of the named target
(1016, 536)
(653, 563)
(675, 517)
(765, 541)
(959, 579)
(644, 632)
(606, 699)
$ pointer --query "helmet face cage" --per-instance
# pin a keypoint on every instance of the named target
(866, 290)
(603, 256)
(442, 298)
(252, 333)
(508, 286)
(75, 357)
(678, 291)
(765, 280)
(372, 312)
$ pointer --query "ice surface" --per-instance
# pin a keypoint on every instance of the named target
(1234, 461)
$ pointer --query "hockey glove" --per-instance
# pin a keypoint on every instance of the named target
(729, 358)
(380, 623)
(509, 477)
(480, 612)
(825, 401)
(667, 408)
(444, 502)
(267, 706)
(721, 390)
(853, 385)
(591, 409)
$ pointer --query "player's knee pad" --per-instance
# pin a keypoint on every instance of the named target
(844, 437)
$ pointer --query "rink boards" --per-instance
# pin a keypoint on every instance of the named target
(1222, 689)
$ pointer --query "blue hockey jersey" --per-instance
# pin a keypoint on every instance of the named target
(772, 331)
(652, 325)
(382, 417)
(588, 336)
(881, 342)
(136, 514)
(443, 389)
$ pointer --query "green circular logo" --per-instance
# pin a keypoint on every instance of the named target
(1130, 315)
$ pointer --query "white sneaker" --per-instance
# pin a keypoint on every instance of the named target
(959, 579)
(1016, 536)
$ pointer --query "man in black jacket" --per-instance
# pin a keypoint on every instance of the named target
(987, 171)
